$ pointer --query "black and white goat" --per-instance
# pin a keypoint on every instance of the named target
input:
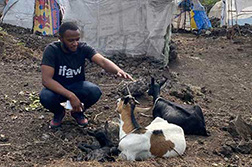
(190, 118)
(159, 139)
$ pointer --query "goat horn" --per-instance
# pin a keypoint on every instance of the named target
(137, 102)
(128, 89)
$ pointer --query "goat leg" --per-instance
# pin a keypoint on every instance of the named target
(114, 151)
(86, 148)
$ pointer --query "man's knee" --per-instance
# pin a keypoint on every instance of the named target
(96, 93)
(47, 98)
(92, 94)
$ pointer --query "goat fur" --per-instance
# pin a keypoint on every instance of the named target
(106, 149)
(189, 117)
(159, 139)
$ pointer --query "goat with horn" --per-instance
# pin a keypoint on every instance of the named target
(189, 117)
(159, 139)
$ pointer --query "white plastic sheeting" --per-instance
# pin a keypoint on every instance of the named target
(242, 4)
(131, 27)
(215, 11)
(236, 12)
(19, 13)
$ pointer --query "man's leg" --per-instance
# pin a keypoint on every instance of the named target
(89, 94)
(51, 101)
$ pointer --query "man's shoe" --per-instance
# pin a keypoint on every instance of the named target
(57, 119)
(80, 118)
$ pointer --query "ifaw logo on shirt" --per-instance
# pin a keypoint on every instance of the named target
(68, 72)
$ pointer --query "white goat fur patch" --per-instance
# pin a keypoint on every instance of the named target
(137, 146)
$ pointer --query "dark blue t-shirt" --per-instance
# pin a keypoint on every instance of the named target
(68, 67)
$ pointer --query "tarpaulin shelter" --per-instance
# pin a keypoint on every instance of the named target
(46, 17)
(236, 12)
(130, 27)
(191, 15)
(215, 11)
(40, 15)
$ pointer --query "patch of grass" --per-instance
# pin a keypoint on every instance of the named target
(2, 31)
(209, 2)
(21, 44)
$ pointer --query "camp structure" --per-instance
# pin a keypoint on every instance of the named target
(236, 12)
(128, 27)
(190, 15)
(215, 11)
(40, 15)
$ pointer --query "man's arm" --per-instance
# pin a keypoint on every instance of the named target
(50, 83)
(109, 66)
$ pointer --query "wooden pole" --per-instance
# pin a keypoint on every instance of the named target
(229, 13)
(232, 13)
(185, 15)
(236, 18)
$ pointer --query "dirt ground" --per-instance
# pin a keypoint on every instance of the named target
(216, 71)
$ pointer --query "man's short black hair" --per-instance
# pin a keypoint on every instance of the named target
(67, 26)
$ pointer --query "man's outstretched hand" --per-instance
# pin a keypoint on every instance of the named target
(125, 75)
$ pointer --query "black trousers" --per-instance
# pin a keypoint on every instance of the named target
(87, 92)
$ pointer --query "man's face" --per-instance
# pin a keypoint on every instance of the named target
(71, 39)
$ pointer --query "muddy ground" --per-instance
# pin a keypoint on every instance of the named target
(215, 71)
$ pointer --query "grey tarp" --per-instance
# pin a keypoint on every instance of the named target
(131, 27)
(236, 12)
(19, 13)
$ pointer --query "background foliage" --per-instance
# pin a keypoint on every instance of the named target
(208, 4)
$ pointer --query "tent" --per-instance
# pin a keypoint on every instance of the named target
(236, 12)
(131, 27)
(191, 15)
(215, 11)
(40, 15)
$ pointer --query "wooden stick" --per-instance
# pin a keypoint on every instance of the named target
(107, 84)
(97, 116)
(6, 144)
(232, 17)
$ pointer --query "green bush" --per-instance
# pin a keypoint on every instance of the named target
(209, 2)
